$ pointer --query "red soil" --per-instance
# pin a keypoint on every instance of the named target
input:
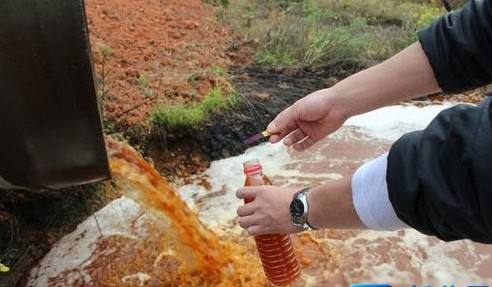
(174, 44)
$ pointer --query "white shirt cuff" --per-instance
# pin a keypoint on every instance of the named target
(370, 196)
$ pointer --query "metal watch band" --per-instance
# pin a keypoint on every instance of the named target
(302, 196)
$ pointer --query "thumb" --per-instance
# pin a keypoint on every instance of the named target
(246, 192)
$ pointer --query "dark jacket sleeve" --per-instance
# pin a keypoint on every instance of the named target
(459, 47)
(440, 179)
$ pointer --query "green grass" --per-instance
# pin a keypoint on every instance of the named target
(322, 32)
(192, 115)
(223, 3)
(105, 50)
(219, 71)
(143, 81)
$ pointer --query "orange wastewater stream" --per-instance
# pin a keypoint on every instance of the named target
(203, 258)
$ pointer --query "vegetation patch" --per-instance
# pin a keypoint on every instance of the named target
(193, 114)
(323, 32)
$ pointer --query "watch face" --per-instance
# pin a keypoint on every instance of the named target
(296, 209)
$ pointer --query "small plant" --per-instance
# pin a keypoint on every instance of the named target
(143, 84)
(192, 115)
(272, 57)
(223, 3)
(4, 268)
(219, 71)
(106, 52)
(109, 127)
(142, 81)
(426, 15)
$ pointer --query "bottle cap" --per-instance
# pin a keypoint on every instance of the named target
(252, 166)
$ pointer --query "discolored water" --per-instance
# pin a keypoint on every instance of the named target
(167, 245)
(401, 258)
(201, 244)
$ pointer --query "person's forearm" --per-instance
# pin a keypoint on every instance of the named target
(331, 206)
(404, 76)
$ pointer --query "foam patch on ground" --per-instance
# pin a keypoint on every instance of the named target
(355, 256)
(392, 122)
(74, 250)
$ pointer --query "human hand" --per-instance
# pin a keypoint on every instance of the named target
(269, 212)
(308, 120)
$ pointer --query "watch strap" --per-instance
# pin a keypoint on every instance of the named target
(304, 225)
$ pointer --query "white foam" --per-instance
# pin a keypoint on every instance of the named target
(434, 263)
(74, 250)
(227, 175)
(387, 123)
(392, 122)
(140, 276)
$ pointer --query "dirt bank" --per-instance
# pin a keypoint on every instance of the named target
(263, 93)
(149, 52)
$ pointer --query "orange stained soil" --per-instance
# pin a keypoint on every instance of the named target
(172, 46)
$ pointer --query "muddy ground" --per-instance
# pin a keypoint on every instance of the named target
(146, 52)
(143, 67)
(262, 94)
(31, 222)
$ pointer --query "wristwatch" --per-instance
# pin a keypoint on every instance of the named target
(299, 210)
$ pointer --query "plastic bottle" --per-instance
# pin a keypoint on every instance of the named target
(276, 250)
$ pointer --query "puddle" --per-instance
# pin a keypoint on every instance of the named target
(358, 256)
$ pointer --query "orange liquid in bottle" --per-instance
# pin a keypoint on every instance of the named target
(276, 250)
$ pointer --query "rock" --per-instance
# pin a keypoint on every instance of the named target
(331, 81)
(264, 96)
(189, 24)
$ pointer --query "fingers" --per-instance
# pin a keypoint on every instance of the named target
(246, 192)
(247, 221)
(283, 124)
(299, 140)
(294, 137)
(305, 144)
(256, 230)
(253, 223)
(275, 138)
(246, 209)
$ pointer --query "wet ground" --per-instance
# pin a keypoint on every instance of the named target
(402, 258)
(329, 258)
(262, 94)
